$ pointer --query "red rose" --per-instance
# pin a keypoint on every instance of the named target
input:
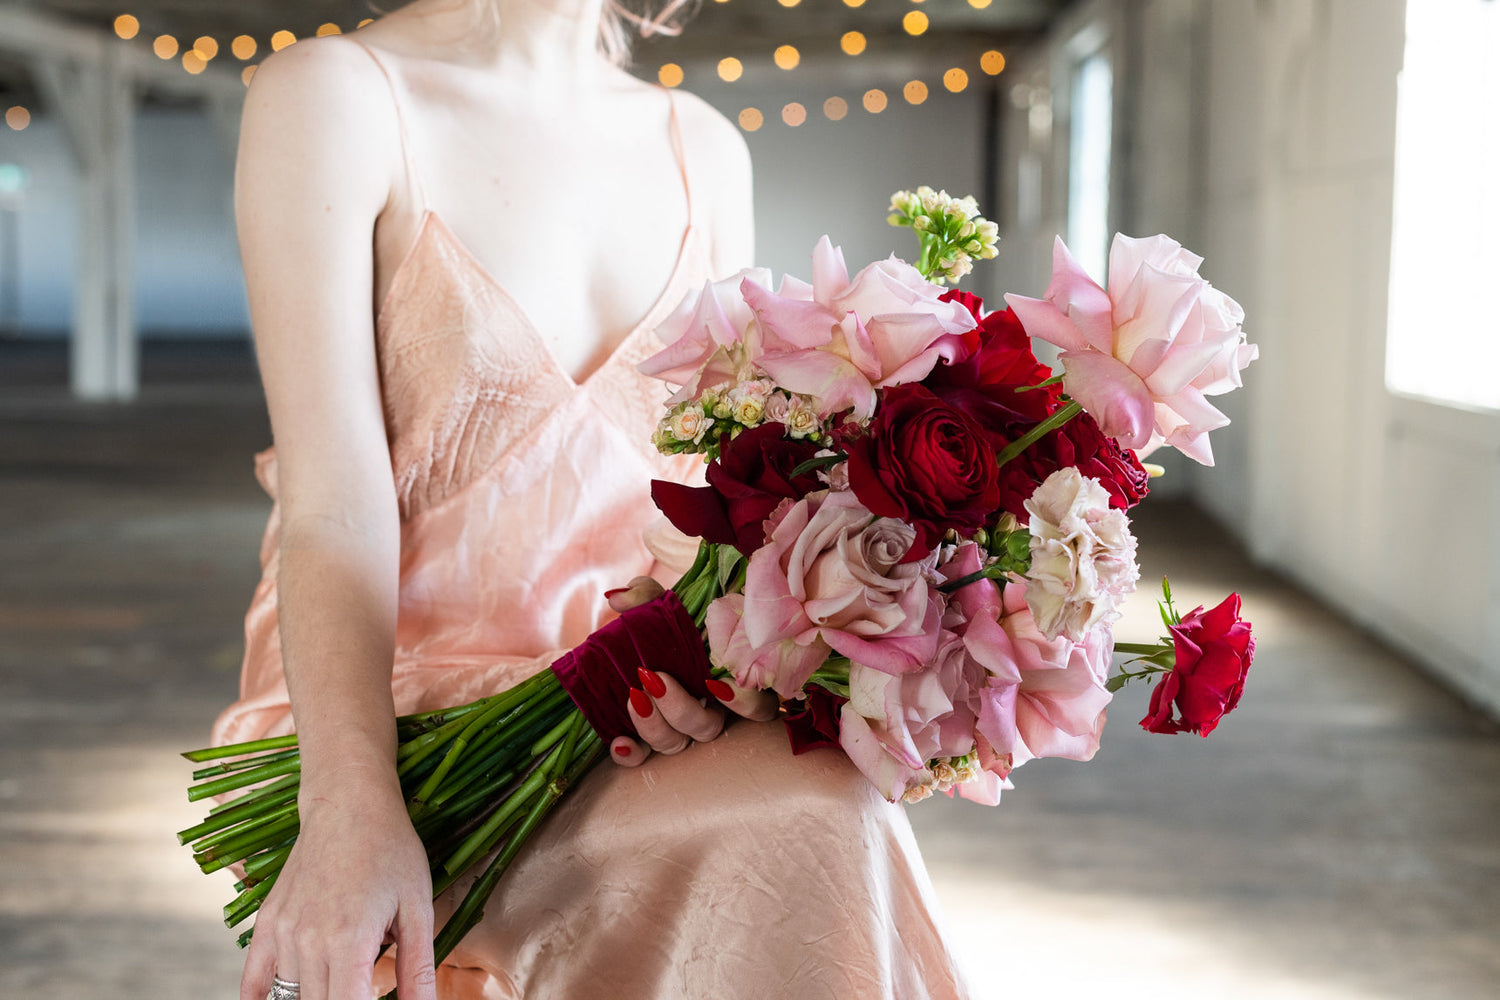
(926, 463)
(1214, 650)
(984, 385)
(752, 474)
(1081, 443)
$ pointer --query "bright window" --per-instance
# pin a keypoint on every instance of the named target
(1092, 117)
(1444, 335)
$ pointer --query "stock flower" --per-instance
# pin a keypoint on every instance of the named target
(1143, 357)
(1082, 555)
(1213, 650)
(926, 463)
(752, 474)
(833, 572)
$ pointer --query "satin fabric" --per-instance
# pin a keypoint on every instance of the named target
(733, 870)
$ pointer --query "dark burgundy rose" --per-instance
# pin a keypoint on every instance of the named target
(1213, 651)
(1079, 442)
(926, 463)
(812, 722)
(985, 384)
(752, 474)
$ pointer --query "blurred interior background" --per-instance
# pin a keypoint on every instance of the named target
(1333, 160)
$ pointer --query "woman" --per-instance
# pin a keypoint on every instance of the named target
(459, 226)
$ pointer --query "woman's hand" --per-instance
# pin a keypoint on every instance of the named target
(356, 879)
(667, 718)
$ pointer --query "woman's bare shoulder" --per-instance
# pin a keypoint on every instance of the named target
(328, 79)
(710, 135)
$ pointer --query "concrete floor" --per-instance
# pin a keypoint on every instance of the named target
(1337, 839)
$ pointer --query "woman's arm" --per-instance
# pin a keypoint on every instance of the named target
(314, 172)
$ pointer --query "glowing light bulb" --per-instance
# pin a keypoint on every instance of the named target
(18, 118)
(324, 30)
(165, 46)
(206, 47)
(835, 108)
(787, 56)
(282, 39)
(915, 22)
(915, 92)
(854, 3)
(193, 62)
(955, 80)
(368, 20)
(794, 114)
(979, 4)
(992, 62)
(247, 74)
(789, 3)
(243, 47)
(751, 119)
(127, 27)
(853, 43)
(670, 75)
(874, 101)
(730, 69)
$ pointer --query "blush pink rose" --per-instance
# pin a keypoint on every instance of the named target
(781, 665)
(832, 570)
(1143, 357)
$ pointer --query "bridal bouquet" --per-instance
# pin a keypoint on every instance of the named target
(912, 531)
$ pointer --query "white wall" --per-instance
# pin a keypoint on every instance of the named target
(187, 265)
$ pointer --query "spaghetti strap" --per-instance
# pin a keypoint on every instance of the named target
(413, 176)
(675, 130)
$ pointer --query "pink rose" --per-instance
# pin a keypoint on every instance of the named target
(782, 665)
(832, 570)
(1061, 699)
(711, 337)
(1142, 357)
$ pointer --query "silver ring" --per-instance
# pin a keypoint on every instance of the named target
(284, 989)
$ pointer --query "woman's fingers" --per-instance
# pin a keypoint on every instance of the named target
(677, 714)
(637, 592)
(757, 706)
(416, 974)
(260, 966)
(627, 752)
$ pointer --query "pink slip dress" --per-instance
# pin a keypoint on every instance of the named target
(732, 870)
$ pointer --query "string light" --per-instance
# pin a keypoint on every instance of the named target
(835, 108)
(979, 4)
(955, 80)
(206, 48)
(244, 47)
(18, 118)
(853, 43)
(751, 119)
(915, 92)
(127, 27)
(730, 69)
(787, 56)
(193, 62)
(854, 3)
(992, 62)
(247, 74)
(368, 20)
(915, 22)
(324, 30)
(281, 40)
(165, 47)
(874, 101)
(789, 3)
(670, 75)
(794, 114)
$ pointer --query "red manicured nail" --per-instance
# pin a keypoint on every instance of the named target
(641, 703)
(623, 750)
(719, 689)
(611, 593)
(651, 682)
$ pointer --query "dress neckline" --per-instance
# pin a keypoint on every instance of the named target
(431, 219)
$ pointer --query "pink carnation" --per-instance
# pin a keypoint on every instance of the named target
(1142, 357)
(831, 570)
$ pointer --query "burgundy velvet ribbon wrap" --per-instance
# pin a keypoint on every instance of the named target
(599, 673)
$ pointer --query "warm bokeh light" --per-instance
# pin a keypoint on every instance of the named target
(992, 62)
(165, 46)
(324, 30)
(368, 20)
(835, 108)
(853, 43)
(730, 69)
(794, 114)
(127, 27)
(789, 3)
(670, 75)
(206, 47)
(787, 56)
(915, 92)
(854, 3)
(915, 22)
(244, 47)
(874, 101)
(979, 4)
(281, 40)
(247, 75)
(18, 118)
(751, 119)
(955, 79)
(193, 62)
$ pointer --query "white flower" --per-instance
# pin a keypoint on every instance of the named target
(1082, 556)
(690, 423)
(749, 412)
(802, 419)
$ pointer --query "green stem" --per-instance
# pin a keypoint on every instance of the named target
(1041, 430)
(238, 749)
(248, 777)
(1139, 648)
